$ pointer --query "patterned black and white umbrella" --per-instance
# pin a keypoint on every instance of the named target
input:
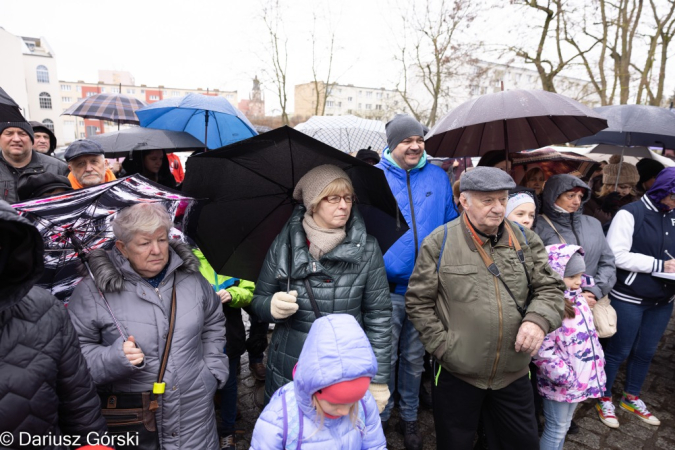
(83, 218)
(346, 133)
(116, 107)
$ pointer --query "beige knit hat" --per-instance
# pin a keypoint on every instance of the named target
(315, 181)
(629, 173)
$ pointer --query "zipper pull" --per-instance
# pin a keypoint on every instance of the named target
(313, 266)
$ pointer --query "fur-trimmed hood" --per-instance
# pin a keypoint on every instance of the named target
(111, 269)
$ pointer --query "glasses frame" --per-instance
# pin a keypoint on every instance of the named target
(340, 198)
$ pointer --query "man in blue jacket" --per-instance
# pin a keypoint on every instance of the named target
(424, 195)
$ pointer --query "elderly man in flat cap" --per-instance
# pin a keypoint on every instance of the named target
(482, 297)
(87, 164)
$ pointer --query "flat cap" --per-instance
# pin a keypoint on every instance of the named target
(83, 147)
(486, 179)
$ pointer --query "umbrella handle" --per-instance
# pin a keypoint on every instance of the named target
(107, 305)
(618, 174)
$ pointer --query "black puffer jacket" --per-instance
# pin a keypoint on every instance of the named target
(350, 279)
(39, 164)
(45, 386)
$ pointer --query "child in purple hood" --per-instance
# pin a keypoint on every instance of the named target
(570, 363)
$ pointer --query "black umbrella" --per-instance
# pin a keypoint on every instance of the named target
(512, 121)
(630, 125)
(120, 143)
(249, 187)
(9, 109)
(76, 222)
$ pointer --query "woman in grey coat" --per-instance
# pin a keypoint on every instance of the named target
(325, 244)
(137, 277)
(564, 197)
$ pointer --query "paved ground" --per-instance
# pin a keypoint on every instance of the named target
(658, 393)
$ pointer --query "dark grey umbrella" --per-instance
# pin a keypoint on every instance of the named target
(120, 143)
(512, 121)
(9, 109)
(629, 125)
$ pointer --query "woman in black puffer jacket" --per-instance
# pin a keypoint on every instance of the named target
(45, 387)
(324, 243)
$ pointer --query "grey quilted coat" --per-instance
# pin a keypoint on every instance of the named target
(45, 387)
(197, 364)
(350, 279)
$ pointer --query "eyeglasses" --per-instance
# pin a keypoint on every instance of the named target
(337, 198)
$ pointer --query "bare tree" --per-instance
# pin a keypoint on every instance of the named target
(322, 87)
(278, 53)
(432, 54)
(664, 30)
(550, 57)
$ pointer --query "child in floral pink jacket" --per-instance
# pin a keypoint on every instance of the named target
(570, 362)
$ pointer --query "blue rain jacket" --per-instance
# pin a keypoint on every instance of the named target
(336, 350)
(429, 190)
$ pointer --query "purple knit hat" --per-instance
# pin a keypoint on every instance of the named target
(663, 186)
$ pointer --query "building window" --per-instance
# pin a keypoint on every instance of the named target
(360, 92)
(378, 107)
(369, 94)
(360, 106)
(42, 74)
(79, 88)
(31, 46)
(81, 123)
(102, 89)
(350, 99)
(115, 90)
(329, 103)
(154, 97)
(131, 91)
(82, 135)
(142, 91)
(45, 100)
(339, 104)
(66, 99)
(349, 111)
(369, 106)
(65, 87)
(518, 76)
(475, 90)
(483, 90)
(175, 93)
(378, 95)
(91, 94)
(229, 97)
(49, 124)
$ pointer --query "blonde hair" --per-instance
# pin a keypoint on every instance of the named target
(321, 415)
(335, 187)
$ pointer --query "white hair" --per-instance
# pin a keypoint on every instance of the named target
(140, 218)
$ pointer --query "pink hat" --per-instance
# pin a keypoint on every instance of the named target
(344, 392)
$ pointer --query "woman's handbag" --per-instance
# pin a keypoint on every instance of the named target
(132, 414)
(604, 318)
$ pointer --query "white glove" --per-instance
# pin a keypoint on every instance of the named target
(380, 393)
(284, 304)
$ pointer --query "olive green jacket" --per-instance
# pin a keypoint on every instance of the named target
(465, 316)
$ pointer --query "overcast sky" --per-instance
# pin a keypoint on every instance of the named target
(223, 43)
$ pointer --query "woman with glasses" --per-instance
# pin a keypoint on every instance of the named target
(321, 263)
(640, 239)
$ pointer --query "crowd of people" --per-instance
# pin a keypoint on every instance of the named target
(521, 299)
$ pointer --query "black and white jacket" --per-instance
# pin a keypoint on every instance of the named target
(642, 238)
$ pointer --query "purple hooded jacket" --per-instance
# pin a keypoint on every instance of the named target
(662, 187)
(570, 363)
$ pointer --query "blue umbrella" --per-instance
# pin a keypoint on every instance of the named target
(212, 120)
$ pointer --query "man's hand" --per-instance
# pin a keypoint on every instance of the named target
(133, 353)
(590, 297)
(529, 338)
(225, 297)
(669, 266)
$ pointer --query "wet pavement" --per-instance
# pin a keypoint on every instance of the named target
(658, 393)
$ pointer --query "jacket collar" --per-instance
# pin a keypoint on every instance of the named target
(503, 236)
(350, 250)
(111, 269)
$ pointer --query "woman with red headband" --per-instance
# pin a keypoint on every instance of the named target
(327, 405)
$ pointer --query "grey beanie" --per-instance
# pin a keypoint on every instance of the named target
(401, 127)
(315, 181)
(25, 126)
(575, 265)
(486, 179)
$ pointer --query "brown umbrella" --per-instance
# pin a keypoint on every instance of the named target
(551, 162)
(512, 121)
